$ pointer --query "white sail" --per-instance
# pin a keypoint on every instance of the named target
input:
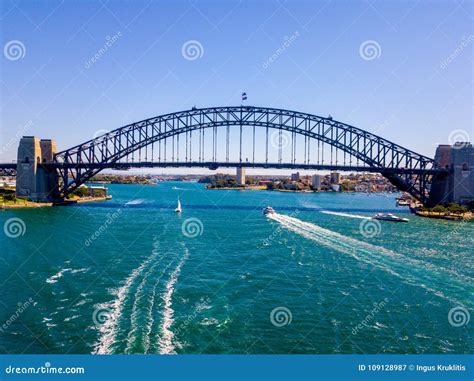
(178, 209)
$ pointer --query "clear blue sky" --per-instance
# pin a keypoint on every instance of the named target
(408, 93)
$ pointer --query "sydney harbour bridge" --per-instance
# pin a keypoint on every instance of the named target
(235, 136)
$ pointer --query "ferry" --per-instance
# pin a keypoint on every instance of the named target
(389, 217)
(268, 210)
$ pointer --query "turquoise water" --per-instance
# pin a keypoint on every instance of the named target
(130, 276)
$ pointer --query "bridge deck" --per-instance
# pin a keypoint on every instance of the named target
(215, 165)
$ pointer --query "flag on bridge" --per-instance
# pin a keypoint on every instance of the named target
(244, 96)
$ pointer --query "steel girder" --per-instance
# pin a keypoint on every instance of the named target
(80, 162)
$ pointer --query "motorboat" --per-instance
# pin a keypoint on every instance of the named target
(268, 210)
(389, 217)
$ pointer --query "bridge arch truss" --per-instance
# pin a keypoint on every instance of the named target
(406, 169)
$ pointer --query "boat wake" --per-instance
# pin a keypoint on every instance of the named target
(166, 342)
(114, 310)
(411, 271)
(346, 215)
(130, 323)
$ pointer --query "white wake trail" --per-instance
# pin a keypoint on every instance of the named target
(109, 329)
(346, 215)
(165, 343)
(415, 272)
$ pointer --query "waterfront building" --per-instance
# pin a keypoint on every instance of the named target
(335, 177)
(295, 176)
(316, 182)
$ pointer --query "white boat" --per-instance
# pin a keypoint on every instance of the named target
(268, 210)
(389, 217)
(178, 209)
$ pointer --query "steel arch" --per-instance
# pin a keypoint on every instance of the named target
(81, 161)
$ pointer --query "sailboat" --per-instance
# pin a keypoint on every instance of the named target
(178, 209)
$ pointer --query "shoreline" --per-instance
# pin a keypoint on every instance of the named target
(446, 216)
(33, 205)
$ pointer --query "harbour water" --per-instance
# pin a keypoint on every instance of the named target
(132, 276)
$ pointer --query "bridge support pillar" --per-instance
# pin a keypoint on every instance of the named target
(240, 176)
(34, 181)
(458, 185)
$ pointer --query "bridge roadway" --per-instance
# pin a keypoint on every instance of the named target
(215, 165)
